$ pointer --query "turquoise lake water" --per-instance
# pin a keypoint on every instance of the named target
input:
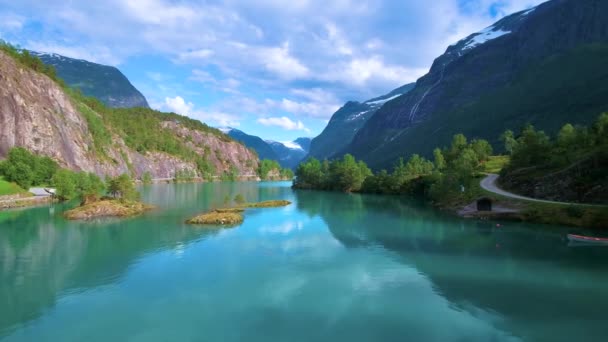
(329, 267)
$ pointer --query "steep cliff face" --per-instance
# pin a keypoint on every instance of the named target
(37, 114)
(103, 82)
(544, 66)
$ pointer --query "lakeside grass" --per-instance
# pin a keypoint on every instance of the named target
(8, 188)
(495, 164)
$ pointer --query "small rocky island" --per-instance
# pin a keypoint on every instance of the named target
(230, 217)
(107, 208)
(122, 199)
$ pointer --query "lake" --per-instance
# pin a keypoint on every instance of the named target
(329, 267)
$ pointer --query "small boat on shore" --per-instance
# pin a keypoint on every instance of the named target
(587, 239)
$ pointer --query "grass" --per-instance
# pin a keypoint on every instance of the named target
(495, 164)
(266, 204)
(232, 216)
(107, 208)
(217, 217)
(8, 188)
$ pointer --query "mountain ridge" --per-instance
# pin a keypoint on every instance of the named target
(106, 83)
(346, 121)
(484, 83)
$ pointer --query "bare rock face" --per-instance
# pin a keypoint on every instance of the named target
(35, 113)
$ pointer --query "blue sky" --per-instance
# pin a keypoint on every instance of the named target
(273, 68)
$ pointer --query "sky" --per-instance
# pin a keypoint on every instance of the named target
(273, 68)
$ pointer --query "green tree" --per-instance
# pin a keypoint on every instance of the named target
(509, 141)
(566, 136)
(440, 163)
(122, 187)
(65, 184)
(20, 173)
(482, 148)
(147, 178)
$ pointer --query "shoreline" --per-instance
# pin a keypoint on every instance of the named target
(24, 202)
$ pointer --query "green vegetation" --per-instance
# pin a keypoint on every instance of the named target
(140, 128)
(69, 184)
(572, 166)
(231, 175)
(9, 188)
(495, 164)
(26, 169)
(547, 94)
(224, 218)
(122, 188)
(266, 204)
(451, 174)
(147, 178)
(184, 175)
(233, 216)
(271, 170)
(239, 199)
(107, 208)
(345, 174)
(29, 61)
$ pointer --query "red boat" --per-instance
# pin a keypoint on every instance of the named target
(588, 239)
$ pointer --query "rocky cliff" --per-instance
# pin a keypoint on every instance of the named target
(36, 113)
(545, 66)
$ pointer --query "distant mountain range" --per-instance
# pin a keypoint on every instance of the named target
(545, 66)
(347, 121)
(288, 154)
(106, 83)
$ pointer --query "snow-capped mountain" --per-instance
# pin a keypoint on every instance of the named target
(288, 154)
(534, 66)
(347, 121)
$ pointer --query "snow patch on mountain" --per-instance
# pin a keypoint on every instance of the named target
(528, 11)
(358, 115)
(383, 101)
(485, 36)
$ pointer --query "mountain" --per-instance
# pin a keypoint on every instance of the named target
(347, 121)
(287, 154)
(545, 66)
(263, 149)
(290, 154)
(105, 83)
(81, 134)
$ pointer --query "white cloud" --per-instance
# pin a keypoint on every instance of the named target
(279, 61)
(361, 71)
(180, 106)
(283, 122)
(11, 22)
(189, 56)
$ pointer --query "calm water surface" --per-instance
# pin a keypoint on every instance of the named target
(330, 267)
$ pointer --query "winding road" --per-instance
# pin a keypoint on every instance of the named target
(489, 184)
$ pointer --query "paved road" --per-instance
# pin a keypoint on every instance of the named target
(41, 191)
(489, 184)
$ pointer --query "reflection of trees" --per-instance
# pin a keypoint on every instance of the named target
(517, 272)
(43, 255)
